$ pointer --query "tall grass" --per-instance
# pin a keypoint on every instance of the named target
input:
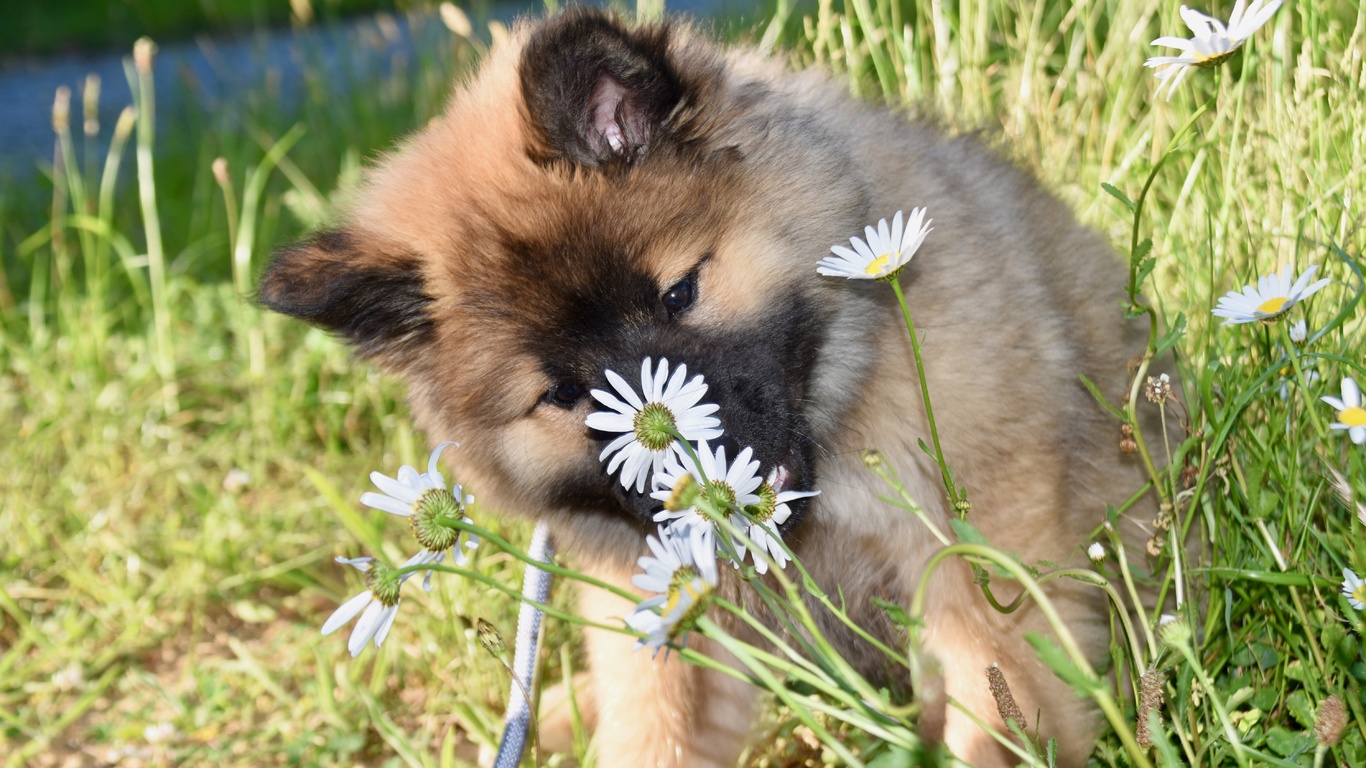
(182, 467)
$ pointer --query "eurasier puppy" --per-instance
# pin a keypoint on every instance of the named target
(600, 193)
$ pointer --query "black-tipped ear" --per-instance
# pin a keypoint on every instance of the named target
(597, 92)
(371, 294)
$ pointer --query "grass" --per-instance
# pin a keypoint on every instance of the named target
(182, 467)
(91, 25)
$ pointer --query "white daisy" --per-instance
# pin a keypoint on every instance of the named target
(723, 484)
(379, 601)
(1213, 42)
(1354, 589)
(1351, 415)
(768, 515)
(665, 402)
(682, 572)
(884, 253)
(423, 499)
(1272, 297)
(1096, 552)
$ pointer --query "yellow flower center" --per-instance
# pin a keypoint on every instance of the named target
(1211, 60)
(1272, 306)
(879, 265)
(1353, 417)
(1359, 594)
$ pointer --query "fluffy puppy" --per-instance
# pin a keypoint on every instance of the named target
(599, 193)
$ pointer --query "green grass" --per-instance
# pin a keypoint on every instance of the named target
(91, 25)
(143, 581)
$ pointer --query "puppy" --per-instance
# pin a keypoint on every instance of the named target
(599, 193)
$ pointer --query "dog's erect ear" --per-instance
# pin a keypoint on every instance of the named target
(371, 293)
(595, 91)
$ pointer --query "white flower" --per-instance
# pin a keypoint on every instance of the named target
(644, 444)
(883, 254)
(379, 601)
(423, 498)
(1354, 589)
(768, 515)
(1272, 297)
(1351, 416)
(1213, 42)
(682, 572)
(721, 483)
(157, 733)
(1096, 552)
(1299, 331)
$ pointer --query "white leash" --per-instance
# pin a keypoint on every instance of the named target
(535, 588)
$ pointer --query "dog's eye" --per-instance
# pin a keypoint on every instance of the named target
(567, 394)
(679, 297)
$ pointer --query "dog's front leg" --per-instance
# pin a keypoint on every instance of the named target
(657, 712)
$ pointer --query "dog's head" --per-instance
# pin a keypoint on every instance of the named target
(597, 195)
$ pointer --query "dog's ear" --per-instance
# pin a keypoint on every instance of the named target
(595, 91)
(367, 291)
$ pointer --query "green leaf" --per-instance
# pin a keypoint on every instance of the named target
(1173, 335)
(1120, 196)
(1300, 708)
(1062, 666)
(1095, 392)
(1285, 742)
(967, 533)
(894, 612)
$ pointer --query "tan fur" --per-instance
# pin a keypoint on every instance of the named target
(1013, 300)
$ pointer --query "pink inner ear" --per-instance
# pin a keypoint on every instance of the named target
(610, 98)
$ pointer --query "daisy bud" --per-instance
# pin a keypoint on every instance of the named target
(1158, 389)
(1171, 629)
(490, 638)
(1330, 721)
(872, 458)
(1005, 702)
(1128, 445)
(1096, 552)
(1149, 700)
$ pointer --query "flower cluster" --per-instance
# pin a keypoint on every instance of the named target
(708, 501)
(430, 508)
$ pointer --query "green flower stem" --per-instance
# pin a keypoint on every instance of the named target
(803, 615)
(1212, 694)
(1138, 208)
(1293, 353)
(944, 472)
(458, 524)
(743, 655)
(517, 594)
(884, 471)
(1108, 705)
(1117, 545)
(1294, 595)
(1001, 738)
